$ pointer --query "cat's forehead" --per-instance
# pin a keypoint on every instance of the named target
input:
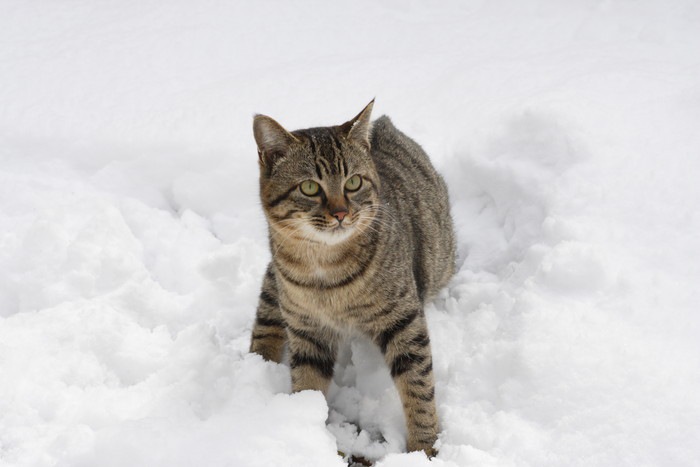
(320, 136)
(328, 150)
(323, 141)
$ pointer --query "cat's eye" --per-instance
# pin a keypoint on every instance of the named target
(309, 187)
(354, 183)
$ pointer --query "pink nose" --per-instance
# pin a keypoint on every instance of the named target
(339, 213)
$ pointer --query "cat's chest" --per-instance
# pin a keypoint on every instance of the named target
(328, 305)
(326, 284)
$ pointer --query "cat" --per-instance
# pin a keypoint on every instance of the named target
(361, 237)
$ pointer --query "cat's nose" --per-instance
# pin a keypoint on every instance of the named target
(339, 213)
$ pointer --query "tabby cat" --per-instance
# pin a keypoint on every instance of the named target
(361, 236)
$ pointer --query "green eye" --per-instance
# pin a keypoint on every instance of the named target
(354, 183)
(309, 187)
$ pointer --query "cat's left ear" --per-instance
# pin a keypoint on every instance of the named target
(358, 129)
(272, 139)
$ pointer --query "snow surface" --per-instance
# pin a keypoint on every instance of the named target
(132, 244)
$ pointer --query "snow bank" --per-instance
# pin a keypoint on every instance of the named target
(132, 243)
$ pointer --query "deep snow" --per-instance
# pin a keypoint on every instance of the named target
(132, 243)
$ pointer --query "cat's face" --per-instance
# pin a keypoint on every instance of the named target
(318, 185)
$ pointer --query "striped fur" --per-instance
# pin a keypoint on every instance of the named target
(370, 273)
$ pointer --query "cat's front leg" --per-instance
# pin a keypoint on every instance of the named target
(312, 354)
(406, 347)
(268, 335)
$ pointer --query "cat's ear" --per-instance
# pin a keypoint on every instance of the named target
(358, 129)
(272, 139)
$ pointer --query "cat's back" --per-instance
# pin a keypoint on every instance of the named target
(416, 197)
(405, 170)
(396, 153)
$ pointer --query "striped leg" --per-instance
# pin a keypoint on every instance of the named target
(312, 357)
(268, 332)
(406, 348)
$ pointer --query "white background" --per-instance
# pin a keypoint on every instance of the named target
(132, 243)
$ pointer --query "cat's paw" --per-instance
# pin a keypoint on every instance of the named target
(429, 450)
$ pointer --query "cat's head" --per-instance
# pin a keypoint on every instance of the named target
(318, 184)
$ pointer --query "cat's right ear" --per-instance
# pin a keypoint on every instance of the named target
(272, 139)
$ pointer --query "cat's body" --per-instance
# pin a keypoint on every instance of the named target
(349, 258)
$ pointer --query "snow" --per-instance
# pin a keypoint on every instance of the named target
(132, 243)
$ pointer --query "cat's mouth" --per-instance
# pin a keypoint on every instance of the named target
(340, 229)
(334, 234)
